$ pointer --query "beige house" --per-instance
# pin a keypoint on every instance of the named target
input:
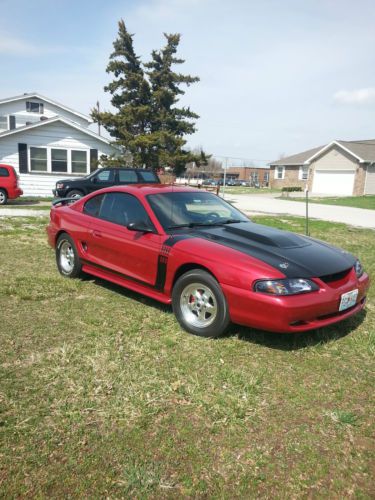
(339, 168)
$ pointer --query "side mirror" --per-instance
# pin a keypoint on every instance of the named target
(94, 180)
(140, 226)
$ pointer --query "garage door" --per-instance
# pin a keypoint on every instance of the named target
(334, 182)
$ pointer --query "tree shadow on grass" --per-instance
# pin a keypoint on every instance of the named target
(302, 340)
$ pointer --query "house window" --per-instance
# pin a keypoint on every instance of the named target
(3, 122)
(55, 160)
(79, 162)
(279, 173)
(303, 173)
(59, 160)
(266, 177)
(34, 107)
(38, 159)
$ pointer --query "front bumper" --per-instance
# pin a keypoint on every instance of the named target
(294, 313)
(59, 193)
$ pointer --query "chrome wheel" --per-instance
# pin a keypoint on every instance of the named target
(66, 257)
(3, 198)
(198, 305)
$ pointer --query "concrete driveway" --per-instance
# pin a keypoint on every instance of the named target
(268, 204)
(259, 204)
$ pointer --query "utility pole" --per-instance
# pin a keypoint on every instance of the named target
(225, 175)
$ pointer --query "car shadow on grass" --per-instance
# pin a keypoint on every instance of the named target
(272, 340)
(302, 340)
(126, 292)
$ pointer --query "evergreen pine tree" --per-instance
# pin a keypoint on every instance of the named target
(148, 124)
(131, 96)
(170, 123)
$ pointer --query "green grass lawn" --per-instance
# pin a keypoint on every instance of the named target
(248, 190)
(103, 395)
(367, 201)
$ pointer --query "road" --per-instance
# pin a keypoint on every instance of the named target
(268, 204)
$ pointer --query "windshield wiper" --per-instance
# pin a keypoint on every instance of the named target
(190, 224)
(197, 224)
(227, 221)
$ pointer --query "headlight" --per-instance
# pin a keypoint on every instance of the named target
(358, 268)
(59, 185)
(285, 286)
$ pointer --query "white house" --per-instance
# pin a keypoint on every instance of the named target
(44, 141)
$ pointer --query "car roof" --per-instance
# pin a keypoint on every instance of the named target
(145, 189)
(127, 168)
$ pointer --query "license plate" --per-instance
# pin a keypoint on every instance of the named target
(348, 299)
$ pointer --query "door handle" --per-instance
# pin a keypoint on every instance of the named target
(96, 233)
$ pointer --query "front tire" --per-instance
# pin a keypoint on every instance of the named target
(3, 197)
(75, 193)
(199, 304)
(67, 258)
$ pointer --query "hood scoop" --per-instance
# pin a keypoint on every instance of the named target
(267, 236)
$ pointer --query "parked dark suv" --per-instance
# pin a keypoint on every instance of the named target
(101, 178)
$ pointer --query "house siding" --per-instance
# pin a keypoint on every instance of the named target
(370, 180)
(18, 109)
(335, 159)
(56, 135)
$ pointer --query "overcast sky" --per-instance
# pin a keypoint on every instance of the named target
(277, 76)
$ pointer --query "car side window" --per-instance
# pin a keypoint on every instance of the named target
(122, 208)
(105, 177)
(4, 172)
(92, 206)
(127, 176)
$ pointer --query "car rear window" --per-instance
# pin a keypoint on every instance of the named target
(92, 206)
(127, 176)
(148, 176)
(4, 172)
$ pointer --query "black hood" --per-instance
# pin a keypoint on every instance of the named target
(294, 255)
(71, 180)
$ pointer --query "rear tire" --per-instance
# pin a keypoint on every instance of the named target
(199, 304)
(75, 193)
(67, 258)
(3, 197)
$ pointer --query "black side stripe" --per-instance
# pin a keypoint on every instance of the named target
(163, 259)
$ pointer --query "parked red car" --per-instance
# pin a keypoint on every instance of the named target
(191, 249)
(9, 188)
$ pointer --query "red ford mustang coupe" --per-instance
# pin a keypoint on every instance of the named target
(192, 249)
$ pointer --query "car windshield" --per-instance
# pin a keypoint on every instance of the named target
(191, 209)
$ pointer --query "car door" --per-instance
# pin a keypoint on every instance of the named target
(112, 246)
(102, 179)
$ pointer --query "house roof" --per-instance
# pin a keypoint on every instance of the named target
(55, 119)
(363, 151)
(35, 95)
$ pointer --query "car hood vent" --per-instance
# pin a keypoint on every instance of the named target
(267, 235)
